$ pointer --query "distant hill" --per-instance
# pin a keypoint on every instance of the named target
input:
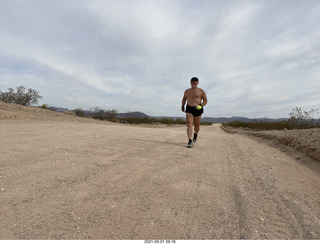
(131, 115)
(137, 114)
(58, 109)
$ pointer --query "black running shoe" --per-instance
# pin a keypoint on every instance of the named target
(190, 144)
(195, 137)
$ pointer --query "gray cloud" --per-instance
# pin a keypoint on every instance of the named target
(253, 58)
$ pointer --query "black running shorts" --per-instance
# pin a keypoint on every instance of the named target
(194, 111)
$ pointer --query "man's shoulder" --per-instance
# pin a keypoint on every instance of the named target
(201, 90)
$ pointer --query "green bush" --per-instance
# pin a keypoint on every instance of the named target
(21, 96)
(99, 113)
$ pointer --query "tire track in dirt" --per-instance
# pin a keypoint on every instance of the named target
(260, 189)
(110, 181)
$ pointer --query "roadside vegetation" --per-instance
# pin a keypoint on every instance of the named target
(31, 97)
(20, 96)
(111, 115)
(298, 120)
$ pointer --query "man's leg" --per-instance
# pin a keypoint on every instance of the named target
(189, 118)
(196, 127)
(197, 124)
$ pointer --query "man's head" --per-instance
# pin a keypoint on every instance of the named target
(194, 82)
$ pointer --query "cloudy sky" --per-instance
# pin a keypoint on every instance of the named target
(255, 58)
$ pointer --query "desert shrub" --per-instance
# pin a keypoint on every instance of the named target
(260, 125)
(70, 112)
(110, 114)
(44, 106)
(206, 123)
(298, 120)
(167, 121)
(303, 119)
(79, 112)
(180, 121)
(139, 120)
(99, 113)
(20, 96)
(150, 120)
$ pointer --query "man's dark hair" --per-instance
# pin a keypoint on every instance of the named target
(194, 79)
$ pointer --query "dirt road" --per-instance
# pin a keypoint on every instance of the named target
(77, 180)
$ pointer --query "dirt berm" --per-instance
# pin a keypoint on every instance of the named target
(64, 177)
(305, 141)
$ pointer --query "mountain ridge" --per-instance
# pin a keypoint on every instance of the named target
(138, 114)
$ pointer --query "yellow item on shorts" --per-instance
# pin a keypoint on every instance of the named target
(199, 107)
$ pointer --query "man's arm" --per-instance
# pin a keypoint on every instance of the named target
(184, 99)
(204, 98)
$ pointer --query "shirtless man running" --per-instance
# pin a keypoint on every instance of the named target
(196, 99)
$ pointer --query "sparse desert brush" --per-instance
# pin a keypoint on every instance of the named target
(139, 120)
(169, 121)
(102, 114)
(260, 125)
(111, 115)
(20, 96)
(206, 123)
(298, 120)
(79, 112)
(149, 120)
(303, 119)
(72, 113)
(44, 106)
